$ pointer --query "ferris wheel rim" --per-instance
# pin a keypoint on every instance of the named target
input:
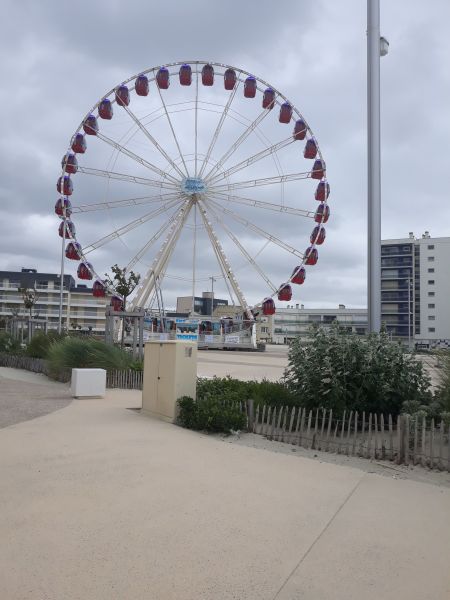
(153, 71)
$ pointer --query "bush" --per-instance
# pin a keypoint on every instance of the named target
(210, 414)
(227, 389)
(40, 343)
(9, 344)
(74, 352)
(348, 372)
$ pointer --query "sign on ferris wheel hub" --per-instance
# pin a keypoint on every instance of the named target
(195, 152)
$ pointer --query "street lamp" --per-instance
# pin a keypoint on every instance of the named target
(212, 294)
(376, 46)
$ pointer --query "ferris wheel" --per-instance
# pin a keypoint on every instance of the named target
(194, 171)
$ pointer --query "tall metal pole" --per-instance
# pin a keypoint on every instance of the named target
(373, 166)
(212, 294)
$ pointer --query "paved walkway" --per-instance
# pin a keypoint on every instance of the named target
(100, 502)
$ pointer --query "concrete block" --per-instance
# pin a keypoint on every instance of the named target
(88, 383)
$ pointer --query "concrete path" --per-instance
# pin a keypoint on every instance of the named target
(25, 396)
(100, 502)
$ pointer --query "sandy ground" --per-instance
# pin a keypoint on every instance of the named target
(100, 502)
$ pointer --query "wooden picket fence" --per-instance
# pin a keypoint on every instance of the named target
(403, 440)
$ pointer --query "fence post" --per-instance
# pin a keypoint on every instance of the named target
(250, 414)
(330, 418)
(432, 445)
(423, 459)
(406, 438)
(400, 450)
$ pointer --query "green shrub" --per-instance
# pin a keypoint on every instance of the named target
(9, 344)
(227, 389)
(210, 414)
(350, 372)
(40, 343)
(75, 352)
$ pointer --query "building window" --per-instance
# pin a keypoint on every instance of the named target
(431, 259)
(431, 270)
(431, 282)
(431, 329)
(430, 247)
(431, 306)
(431, 318)
(431, 294)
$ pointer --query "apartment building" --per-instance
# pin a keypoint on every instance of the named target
(81, 310)
(415, 289)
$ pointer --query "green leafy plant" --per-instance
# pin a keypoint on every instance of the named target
(123, 282)
(210, 414)
(9, 344)
(342, 371)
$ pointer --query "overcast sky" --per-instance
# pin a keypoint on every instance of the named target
(60, 58)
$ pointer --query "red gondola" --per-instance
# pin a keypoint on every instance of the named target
(285, 293)
(69, 163)
(73, 251)
(98, 289)
(318, 170)
(162, 78)
(65, 187)
(268, 100)
(63, 204)
(185, 75)
(123, 95)
(318, 235)
(229, 79)
(105, 109)
(298, 275)
(84, 271)
(322, 191)
(311, 256)
(322, 213)
(268, 307)
(79, 144)
(90, 125)
(310, 148)
(141, 85)
(208, 75)
(300, 130)
(70, 229)
(116, 303)
(285, 113)
(250, 87)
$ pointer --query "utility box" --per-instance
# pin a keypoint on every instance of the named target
(87, 383)
(170, 371)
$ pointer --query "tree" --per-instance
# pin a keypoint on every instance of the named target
(29, 298)
(123, 283)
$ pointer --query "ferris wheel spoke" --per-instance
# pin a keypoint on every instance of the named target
(219, 127)
(257, 230)
(259, 182)
(252, 159)
(148, 283)
(129, 227)
(253, 125)
(149, 136)
(196, 121)
(151, 241)
(138, 159)
(265, 205)
(244, 252)
(139, 201)
(130, 178)
(173, 131)
(224, 260)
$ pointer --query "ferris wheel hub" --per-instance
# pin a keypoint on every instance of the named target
(193, 185)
